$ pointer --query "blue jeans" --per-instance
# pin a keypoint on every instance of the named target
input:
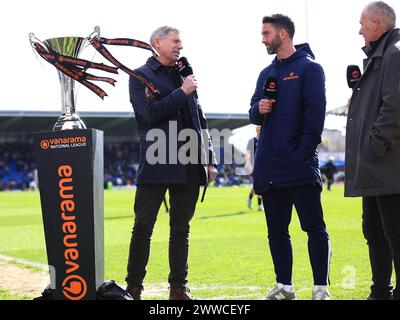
(278, 204)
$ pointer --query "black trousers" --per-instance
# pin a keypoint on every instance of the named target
(381, 228)
(148, 199)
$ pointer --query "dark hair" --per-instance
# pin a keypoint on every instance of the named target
(281, 21)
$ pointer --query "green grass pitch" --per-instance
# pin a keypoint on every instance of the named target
(229, 254)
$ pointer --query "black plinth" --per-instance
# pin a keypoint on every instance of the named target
(70, 170)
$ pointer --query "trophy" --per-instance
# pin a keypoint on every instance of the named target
(72, 47)
(76, 255)
(63, 53)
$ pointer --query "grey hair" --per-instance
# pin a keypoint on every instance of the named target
(384, 12)
(161, 33)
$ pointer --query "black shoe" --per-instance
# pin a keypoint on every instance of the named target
(134, 291)
(182, 293)
(396, 293)
(384, 292)
(380, 297)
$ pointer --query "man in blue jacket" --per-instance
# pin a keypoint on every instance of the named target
(286, 169)
(168, 112)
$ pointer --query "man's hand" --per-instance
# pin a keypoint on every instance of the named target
(189, 85)
(212, 173)
(265, 106)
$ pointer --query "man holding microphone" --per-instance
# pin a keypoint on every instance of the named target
(289, 103)
(373, 146)
(176, 106)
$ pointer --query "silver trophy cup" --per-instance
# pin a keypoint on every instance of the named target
(68, 46)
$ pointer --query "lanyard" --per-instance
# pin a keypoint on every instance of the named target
(98, 44)
(76, 68)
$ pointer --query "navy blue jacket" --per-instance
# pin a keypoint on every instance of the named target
(158, 112)
(287, 151)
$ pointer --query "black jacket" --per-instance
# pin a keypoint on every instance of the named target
(163, 112)
(373, 124)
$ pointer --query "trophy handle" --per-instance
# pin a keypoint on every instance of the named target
(33, 40)
(94, 34)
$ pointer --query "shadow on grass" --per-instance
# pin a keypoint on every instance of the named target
(131, 216)
(120, 217)
(240, 213)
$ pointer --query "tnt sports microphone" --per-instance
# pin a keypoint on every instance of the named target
(353, 75)
(271, 88)
(184, 67)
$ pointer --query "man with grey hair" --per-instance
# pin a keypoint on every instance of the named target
(373, 146)
(386, 14)
(161, 32)
(173, 107)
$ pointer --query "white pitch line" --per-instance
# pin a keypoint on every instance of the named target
(162, 292)
(42, 266)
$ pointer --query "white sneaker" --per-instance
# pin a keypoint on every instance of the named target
(321, 294)
(249, 204)
(279, 293)
(260, 208)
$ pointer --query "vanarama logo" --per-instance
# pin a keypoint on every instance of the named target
(58, 143)
(292, 76)
(74, 286)
(44, 144)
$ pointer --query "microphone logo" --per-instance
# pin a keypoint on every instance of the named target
(355, 74)
(184, 67)
(271, 88)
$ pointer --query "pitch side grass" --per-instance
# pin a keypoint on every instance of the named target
(229, 254)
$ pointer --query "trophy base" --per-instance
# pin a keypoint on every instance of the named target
(69, 122)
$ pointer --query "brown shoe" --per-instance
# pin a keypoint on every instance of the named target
(181, 293)
(134, 291)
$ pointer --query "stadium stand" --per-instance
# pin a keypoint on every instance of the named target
(17, 166)
(121, 149)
